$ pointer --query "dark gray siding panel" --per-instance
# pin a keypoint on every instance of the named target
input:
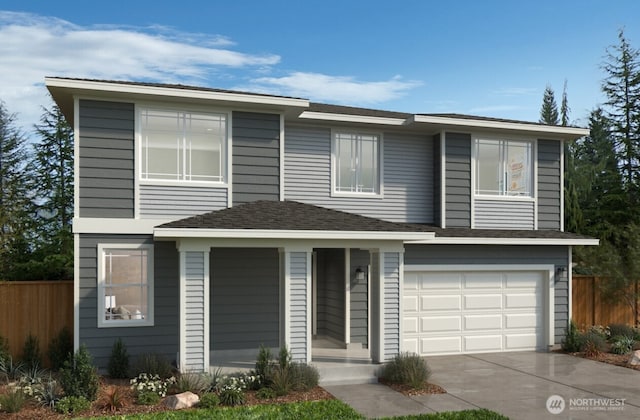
(331, 305)
(256, 157)
(549, 188)
(458, 180)
(359, 309)
(163, 337)
(437, 181)
(244, 298)
(492, 254)
(106, 142)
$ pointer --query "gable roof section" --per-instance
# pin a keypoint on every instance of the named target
(289, 219)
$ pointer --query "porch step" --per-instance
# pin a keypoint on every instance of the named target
(346, 373)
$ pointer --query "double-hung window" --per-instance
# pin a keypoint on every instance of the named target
(356, 162)
(125, 285)
(504, 168)
(182, 146)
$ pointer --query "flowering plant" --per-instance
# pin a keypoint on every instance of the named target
(239, 381)
(144, 383)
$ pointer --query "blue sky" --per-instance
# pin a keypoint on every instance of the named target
(491, 58)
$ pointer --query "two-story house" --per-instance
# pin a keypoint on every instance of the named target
(209, 222)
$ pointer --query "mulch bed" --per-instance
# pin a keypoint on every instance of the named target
(426, 389)
(611, 358)
(99, 408)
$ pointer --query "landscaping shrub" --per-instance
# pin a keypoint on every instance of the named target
(406, 369)
(72, 405)
(78, 376)
(305, 376)
(10, 370)
(232, 396)
(622, 344)
(263, 363)
(196, 382)
(112, 399)
(284, 357)
(153, 364)
(4, 349)
(282, 380)
(623, 330)
(60, 348)
(265, 393)
(48, 393)
(31, 352)
(209, 400)
(145, 383)
(593, 343)
(572, 339)
(147, 398)
(118, 366)
(13, 400)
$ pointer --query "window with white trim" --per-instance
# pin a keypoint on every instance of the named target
(182, 146)
(356, 162)
(503, 167)
(125, 285)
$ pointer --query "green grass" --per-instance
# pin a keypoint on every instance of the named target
(317, 410)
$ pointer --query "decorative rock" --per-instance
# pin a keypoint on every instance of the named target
(635, 358)
(180, 401)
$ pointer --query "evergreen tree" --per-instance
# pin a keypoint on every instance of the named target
(564, 107)
(549, 109)
(622, 89)
(14, 196)
(53, 163)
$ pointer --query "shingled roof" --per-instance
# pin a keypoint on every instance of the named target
(288, 215)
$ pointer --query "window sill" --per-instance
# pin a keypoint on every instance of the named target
(126, 323)
(503, 198)
(340, 194)
(203, 184)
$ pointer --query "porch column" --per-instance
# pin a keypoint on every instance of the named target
(194, 310)
(295, 313)
(386, 290)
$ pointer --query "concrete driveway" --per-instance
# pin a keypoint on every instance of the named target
(518, 385)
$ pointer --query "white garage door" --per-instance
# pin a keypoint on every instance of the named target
(473, 312)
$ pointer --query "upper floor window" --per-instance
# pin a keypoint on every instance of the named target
(357, 162)
(125, 285)
(182, 146)
(504, 168)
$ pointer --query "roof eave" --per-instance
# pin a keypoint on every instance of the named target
(350, 118)
(507, 241)
(568, 133)
(174, 233)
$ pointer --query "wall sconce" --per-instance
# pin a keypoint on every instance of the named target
(359, 274)
(560, 271)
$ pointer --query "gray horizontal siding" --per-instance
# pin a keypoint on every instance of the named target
(244, 298)
(298, 306)
(549, 184)
(407, 175)
(359, 297)
(331, 296)
(462, 255)
(106, 159)
(163, 337)
(194, 313)
(391, 302)
(437, 181)
(256, 157)
(458, 180)
(503, 214)
(159, 201)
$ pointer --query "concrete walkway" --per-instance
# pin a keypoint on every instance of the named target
(518, 385)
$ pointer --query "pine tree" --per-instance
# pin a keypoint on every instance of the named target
(564, 107)
(549, 109)
(14, 196)
(622, 89)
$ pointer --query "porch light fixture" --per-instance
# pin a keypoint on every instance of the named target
(560, 271)
(359, 274)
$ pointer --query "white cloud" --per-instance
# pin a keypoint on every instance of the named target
(33, 47)
(337, 89)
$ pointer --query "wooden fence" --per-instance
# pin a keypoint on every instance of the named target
(590, 308)
(40, 308)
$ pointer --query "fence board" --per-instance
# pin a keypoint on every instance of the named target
(590, 308)
(40, 308)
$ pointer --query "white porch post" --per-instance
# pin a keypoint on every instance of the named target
(295, 292)
(194, 309)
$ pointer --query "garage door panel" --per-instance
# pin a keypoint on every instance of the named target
(522, 301)
(478, 343)
(471, 312)
(482, 280)
(483, 322)
(440, 345)
(440, 303)
(488, 301)
(429, 324)
(522, 341)
(531, 320)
